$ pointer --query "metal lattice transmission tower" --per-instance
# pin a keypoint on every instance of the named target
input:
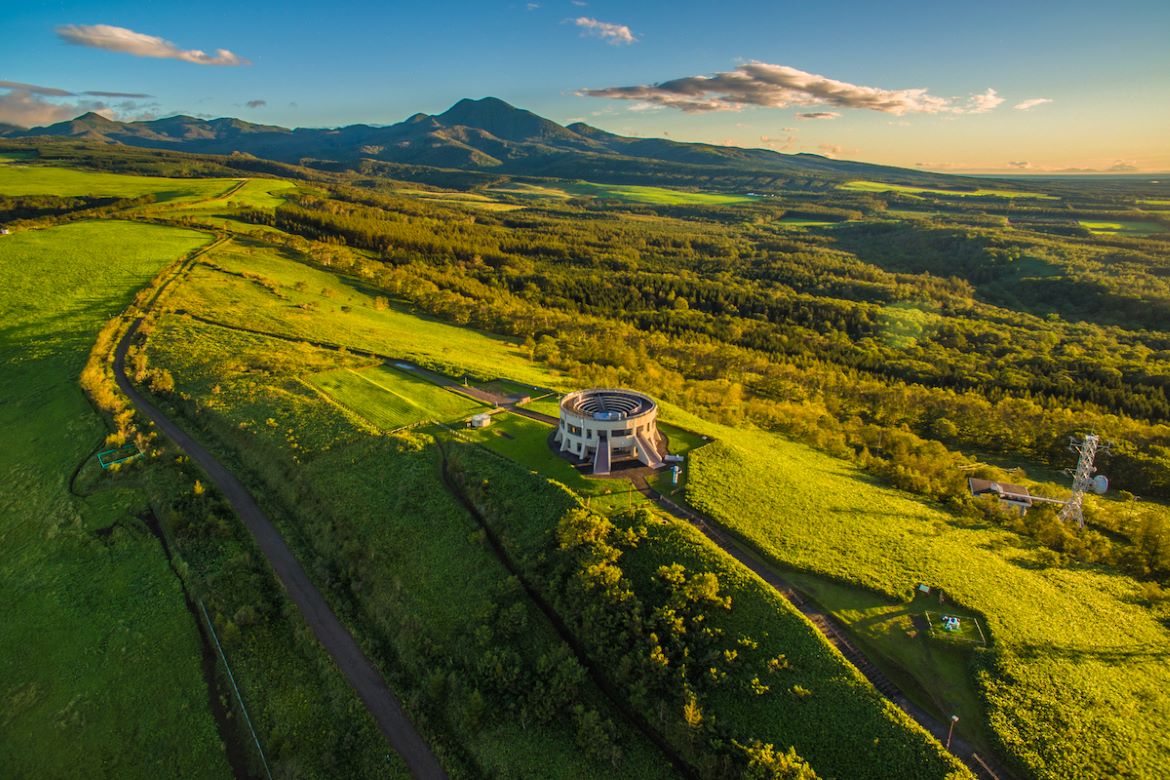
(1082, 478)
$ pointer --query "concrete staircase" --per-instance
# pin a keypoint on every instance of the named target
(601, 458)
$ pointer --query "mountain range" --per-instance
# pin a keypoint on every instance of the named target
(482, 135)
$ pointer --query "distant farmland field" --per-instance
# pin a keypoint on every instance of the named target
(660, 196)
(391, 399)
(877, 186)
(1124, 227)
(42, 180)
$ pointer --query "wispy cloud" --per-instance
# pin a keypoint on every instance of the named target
(780, 86)
(532, 6)
(1032, 103)
(982, 103)
(256, 103)
(35, 89)
(613, 34)
(110, 38)
(818, 115)
(99, 93)
(29, 105)
(779, 144)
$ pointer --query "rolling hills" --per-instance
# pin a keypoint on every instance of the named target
(487, 135)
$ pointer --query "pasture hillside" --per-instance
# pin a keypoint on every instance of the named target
(17, 178)
(1076, 682)
(99, 657)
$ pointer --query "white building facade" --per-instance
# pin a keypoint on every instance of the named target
(610, 424)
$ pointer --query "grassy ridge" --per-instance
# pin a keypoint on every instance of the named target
(99, 657)
(789, 706)
(396, 555)
(1058, 632)
(18, 179)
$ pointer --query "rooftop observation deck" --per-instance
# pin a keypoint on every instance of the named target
(606, 404)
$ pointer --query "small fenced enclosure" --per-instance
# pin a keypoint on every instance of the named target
(121, 454)
(960, 629)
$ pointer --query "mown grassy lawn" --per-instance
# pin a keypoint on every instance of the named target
(99, 657)
(549, 404)
(503, 386)
(391, 398)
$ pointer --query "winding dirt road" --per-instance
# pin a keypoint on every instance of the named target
(330, 632)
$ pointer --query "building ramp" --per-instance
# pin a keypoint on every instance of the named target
(647, 452)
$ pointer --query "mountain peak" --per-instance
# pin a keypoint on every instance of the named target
(94, 118)
(501, 119)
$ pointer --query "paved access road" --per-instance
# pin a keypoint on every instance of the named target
(330, 632)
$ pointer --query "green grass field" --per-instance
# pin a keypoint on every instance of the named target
(658, 196)
(340, 310)
(877, 186)
(549, 404)
(1060, 636)
(1129, 227)
(473, 200)
(99, 657)
(509, 388)
(16, 179)
(391, 398)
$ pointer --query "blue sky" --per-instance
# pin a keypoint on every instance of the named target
(850, 68)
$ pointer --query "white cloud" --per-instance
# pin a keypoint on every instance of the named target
(104, 36)
(780, 86)
(613, 34)
(1032, 103)
(982, 103)
(532, 6)
(818, 115)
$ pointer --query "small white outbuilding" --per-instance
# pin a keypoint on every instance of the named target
(481, 420)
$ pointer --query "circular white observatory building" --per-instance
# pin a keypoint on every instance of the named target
(608, 425)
